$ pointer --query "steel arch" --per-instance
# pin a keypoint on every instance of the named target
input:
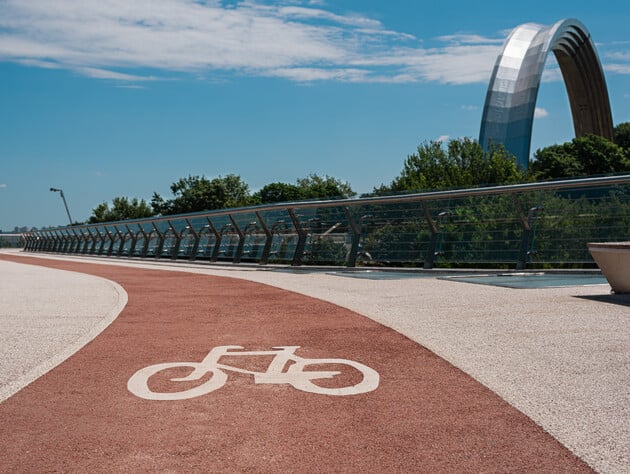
(508, 113)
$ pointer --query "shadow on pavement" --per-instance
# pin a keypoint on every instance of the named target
(623, 300)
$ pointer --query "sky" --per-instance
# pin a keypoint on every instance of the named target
(119, 98)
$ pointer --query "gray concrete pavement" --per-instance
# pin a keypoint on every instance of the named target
(560, 355)
(46, 316)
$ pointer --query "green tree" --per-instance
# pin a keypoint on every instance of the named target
(462, 163)
(317, 187)
(311, 187)
(198, 193)
(583, 156)
(622, 137)
(122, 209)
(278, 192)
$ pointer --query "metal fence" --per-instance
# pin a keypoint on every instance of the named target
(11, 240)
(532, 225)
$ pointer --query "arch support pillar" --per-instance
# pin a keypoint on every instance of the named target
(508, 113)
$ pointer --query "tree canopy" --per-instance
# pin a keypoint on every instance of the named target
(583, 156)
(278, 192)
(435, 165)
(311, 187)
(327, 187)
(622, 137)
(122, 209)
(198, 193)
(460, 163)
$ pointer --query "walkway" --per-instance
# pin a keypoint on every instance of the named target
(535, 348)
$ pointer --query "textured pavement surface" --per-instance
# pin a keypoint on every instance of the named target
(561, 356)
(47, 315)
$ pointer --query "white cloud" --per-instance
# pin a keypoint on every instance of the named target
(3, 186)
(618, 68)
(619, 59)
(470, 107)
(442, 138)
(104, 74)
(302, 41)
(539, 112)
(470, 39)
(619, 55)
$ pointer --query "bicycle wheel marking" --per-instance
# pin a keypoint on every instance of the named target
(296, 374)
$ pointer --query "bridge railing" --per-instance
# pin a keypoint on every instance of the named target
(519, 226)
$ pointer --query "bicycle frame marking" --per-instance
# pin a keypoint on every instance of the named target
(294, 375)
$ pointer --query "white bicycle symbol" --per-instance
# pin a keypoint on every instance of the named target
(294, 375)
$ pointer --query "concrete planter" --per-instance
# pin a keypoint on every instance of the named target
(613, 258)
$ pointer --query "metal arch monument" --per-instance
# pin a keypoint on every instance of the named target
(508, 113)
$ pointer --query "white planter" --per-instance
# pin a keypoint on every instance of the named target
(613, 258)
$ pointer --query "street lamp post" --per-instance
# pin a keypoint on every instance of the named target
(60, 191)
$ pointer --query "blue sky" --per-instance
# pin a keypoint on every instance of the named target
(107, 98)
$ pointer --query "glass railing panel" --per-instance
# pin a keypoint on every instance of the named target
(178, 223)
(228, 242)
(329, 236)
(147, 227)
(228, 247)
(252, 232)
(152, 244)
(284, 236)
(186, 244)
(126, 245)
(140, 242)
(80, 245)
(484, 230)
(88, 248)
(573, 218)
(74, 243)
(101, 240)
(396, 234)
(168, 243)
(162, 225)
(64, 240)
(116, 245)
(207, 242)
(198, 222)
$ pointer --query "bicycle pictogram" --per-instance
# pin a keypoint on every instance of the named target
(285, 368)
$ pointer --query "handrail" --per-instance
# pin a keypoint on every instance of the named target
(358, 230)
(396, 199)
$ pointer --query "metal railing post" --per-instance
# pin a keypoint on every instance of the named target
(121, 239)
(92, 246)
(435, 229)
(197, 236)
(241, 241)
(218, 236)
(298, 255)
(351, 260)
(527, 225)
(175, 248)
(160, 245)
(264, 258)
(145, 243)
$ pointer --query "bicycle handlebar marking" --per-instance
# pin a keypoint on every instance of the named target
(295, 375)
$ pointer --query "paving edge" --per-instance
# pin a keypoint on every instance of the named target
(49, 364)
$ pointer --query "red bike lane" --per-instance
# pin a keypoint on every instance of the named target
(424, 416)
